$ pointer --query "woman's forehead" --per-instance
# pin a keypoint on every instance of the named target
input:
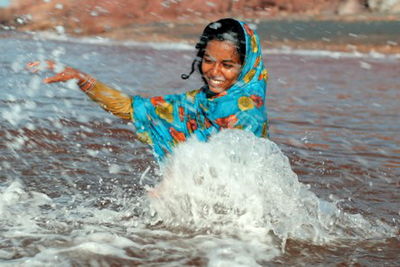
(221, 47)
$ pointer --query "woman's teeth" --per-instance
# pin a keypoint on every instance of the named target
(216, 82)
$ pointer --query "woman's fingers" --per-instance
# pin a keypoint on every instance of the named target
(63, 73)
(35, 66)
(63, 76)
(50, 65)
(59, 77)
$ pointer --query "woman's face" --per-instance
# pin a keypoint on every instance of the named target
(220, 65)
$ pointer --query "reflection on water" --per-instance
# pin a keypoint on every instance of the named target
(74, 180)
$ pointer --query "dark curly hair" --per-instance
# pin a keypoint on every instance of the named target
(222, 30)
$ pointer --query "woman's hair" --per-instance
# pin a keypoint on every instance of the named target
(221, 30)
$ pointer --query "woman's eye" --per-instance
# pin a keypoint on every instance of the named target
(206, 60)
(228, 66)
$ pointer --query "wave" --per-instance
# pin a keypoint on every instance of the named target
(238, 182)
(186, 46)
(330, 54)
(233, 201)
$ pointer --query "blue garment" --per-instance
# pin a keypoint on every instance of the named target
(167, 120)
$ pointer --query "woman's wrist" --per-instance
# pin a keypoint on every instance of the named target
(87, 83)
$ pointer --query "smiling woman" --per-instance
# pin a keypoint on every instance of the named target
(233, 96)
(220, 66)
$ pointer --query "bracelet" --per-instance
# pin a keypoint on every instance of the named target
(87, 84)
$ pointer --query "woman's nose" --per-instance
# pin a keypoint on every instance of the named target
(215, 69)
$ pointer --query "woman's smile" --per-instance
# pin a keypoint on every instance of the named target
(217, 81)
(220, 65)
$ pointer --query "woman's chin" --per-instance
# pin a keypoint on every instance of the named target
(216, 90)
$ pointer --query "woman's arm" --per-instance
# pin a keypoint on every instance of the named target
(111, 100)
(108, 98)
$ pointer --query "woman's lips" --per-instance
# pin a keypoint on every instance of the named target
(215, 82)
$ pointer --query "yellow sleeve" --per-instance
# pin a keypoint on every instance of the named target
(111, 100)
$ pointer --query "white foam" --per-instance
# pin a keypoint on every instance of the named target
(240, 185)
(14, 194)
(181, 46)
(328, 53)
(185, 46)
(233, 200)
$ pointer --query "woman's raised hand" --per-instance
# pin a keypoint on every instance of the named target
(84, 81)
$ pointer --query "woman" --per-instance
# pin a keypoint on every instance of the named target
(233, 96)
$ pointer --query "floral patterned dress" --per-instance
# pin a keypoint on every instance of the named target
(165, 121)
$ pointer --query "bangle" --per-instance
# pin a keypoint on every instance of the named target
(87, 84)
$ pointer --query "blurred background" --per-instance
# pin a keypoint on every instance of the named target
(343, 25)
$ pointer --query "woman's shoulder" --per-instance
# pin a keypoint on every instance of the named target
(193, 93)
(188, 96)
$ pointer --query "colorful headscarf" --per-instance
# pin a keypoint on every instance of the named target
(165, 121)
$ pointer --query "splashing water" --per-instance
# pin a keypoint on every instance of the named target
(241, 185)
(67, 199)
(234, 200)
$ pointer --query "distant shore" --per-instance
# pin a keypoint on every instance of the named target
(371, 34)
(362, 33)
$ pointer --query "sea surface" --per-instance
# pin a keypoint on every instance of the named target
(78, 189)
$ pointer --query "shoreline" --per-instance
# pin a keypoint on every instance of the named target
(183, 45)
(364, 33)
(306, 33)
